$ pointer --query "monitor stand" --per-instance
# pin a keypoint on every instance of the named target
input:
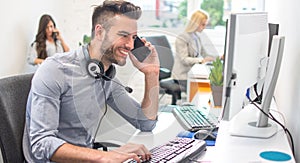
(244, 124)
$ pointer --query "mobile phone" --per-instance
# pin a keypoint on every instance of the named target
(54, 35)
(140, 51)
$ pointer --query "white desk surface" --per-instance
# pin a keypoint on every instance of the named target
(241, 149)
(166, 129)
(228, 149)
(199, 71)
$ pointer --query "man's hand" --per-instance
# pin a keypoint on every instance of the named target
(71, 153)
(138, 149)
(150, 64)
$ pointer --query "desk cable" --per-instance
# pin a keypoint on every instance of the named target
(270, 116)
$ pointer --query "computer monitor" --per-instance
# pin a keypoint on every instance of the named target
(273, 30)
(274, 64)
(246, 63)
(258, 91)
(245, 58)
(251, 122)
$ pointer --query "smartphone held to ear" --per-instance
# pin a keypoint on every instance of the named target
(140, 51)
(54, 35)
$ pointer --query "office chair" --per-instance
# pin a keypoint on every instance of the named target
(13, 98)
(166, 58)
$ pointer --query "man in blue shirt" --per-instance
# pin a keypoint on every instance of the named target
(69, 92)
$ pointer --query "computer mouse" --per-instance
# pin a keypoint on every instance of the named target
(204, 135)
(208, 63)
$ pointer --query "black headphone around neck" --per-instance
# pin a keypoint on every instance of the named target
(95, 68)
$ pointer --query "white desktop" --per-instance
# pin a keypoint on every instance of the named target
(227, 149)
(198, 74)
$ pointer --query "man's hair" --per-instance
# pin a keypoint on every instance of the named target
(103, 13)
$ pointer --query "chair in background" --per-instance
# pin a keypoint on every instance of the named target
(13, 98)
(167, 84)
(165, 55)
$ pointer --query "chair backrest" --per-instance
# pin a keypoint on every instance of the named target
(164, 51)
(13, 98)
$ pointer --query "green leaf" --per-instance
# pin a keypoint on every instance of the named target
(216, 73)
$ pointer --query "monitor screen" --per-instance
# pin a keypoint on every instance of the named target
(248, 61)
(245, 58)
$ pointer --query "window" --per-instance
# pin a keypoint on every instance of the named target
(169, 17)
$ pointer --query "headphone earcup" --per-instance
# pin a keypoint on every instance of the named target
(95, 68)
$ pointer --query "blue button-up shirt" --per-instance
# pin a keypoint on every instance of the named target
(65, 104)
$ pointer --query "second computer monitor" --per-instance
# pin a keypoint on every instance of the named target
(246, 58)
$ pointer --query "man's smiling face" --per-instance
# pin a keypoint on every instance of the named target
(119, 40)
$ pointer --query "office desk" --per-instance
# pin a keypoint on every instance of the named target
(228, 149)
(166, 129)
(241, 149)
(197, 81)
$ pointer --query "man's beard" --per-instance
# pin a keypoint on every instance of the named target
(108, 54)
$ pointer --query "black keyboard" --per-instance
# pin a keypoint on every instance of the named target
(177, 150)
(193, 119)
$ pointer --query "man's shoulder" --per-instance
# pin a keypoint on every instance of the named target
(65, 57)
(59, 60)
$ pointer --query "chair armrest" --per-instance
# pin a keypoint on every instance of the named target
(104, 145)
(164, 73)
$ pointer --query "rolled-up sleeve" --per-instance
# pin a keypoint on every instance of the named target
(129, 109)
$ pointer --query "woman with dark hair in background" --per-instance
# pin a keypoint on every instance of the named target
(48, 41)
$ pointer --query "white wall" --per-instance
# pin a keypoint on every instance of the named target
(287, 92)
(19, 24)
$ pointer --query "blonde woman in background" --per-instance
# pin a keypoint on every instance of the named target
(192, 47)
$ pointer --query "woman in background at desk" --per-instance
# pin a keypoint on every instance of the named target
(192, 48)
(48, 41)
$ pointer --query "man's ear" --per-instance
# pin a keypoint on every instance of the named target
(99, 31)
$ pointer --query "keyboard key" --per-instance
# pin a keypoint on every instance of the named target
(177, 150)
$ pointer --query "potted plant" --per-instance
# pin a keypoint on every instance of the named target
(216, 81)
(86, 39)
